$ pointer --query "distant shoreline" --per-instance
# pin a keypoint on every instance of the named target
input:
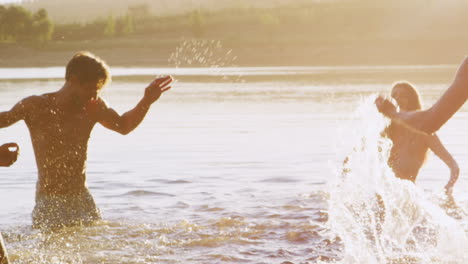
(248, 54)
(317, 33)
(441, 73)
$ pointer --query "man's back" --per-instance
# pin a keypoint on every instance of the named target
(60, 134)
(60, 125)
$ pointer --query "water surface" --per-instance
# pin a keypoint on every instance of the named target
(222, 170)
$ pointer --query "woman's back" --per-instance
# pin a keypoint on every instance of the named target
(409, 150)
(408, 153)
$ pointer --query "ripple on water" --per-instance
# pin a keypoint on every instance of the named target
(208, 208)
(226, 237)
(170, 181)
(146, 193)
(279, 180)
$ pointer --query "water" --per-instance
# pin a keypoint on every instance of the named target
(241, 172)
(382, 219)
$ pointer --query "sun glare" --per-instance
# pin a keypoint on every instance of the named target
(9, 1)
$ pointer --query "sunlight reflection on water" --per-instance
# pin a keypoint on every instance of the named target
(218, 172)
(59, 72)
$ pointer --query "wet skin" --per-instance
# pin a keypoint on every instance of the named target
(8, 154)
(410, 146)
(60, 126)
(432, 119)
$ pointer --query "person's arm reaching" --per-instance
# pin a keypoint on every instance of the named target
(15, 114)
(8, 154)
(432, 119)
(127, 122)
(438, 148)
(389, 110)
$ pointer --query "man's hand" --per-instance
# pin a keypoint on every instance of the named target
(156, 88)
(385, 106)
(8, 154)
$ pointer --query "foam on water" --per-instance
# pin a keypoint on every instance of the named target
(380, 218)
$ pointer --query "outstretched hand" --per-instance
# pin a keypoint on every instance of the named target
(448, 190)
(451, 207)
(385, 106)
(449, 187)
(8, 154)
(156, 88)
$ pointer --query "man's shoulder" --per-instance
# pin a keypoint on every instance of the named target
(37, 98)
(101, 102)
(97, 106)
(35, 102)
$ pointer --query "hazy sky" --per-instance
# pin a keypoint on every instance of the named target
(9, 1)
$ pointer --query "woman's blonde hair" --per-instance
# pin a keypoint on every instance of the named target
(411, 94)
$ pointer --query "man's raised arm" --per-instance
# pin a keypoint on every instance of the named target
(127, 122)
(15, 114)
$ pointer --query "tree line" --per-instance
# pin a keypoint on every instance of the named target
(319, 20)
(17, 24)
(108, 27)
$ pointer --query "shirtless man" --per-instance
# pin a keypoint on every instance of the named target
(60, 124)
(8, 155)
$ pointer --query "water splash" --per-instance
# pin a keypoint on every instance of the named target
(380, 218)
(207, 54)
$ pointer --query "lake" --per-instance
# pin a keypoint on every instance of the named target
(243, 165)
